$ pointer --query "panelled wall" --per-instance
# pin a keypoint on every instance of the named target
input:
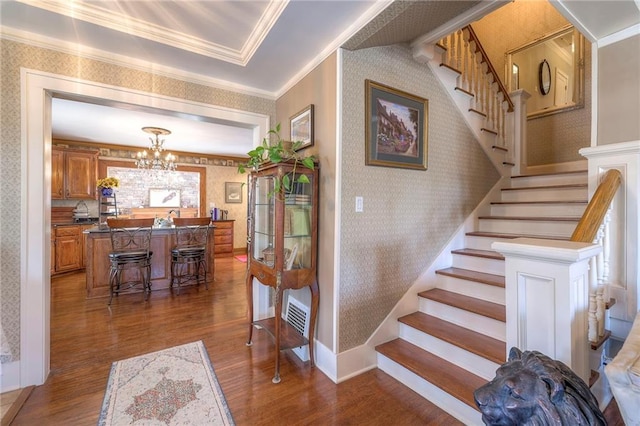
(16, 55)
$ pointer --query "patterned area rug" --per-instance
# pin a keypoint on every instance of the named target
(175, 386)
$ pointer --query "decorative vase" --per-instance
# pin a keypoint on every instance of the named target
(106, 192)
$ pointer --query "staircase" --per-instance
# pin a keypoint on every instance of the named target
(455, 341)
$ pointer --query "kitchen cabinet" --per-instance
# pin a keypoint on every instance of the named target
(83, 263)
(73, 174)
(66, 247)
(223, 236)
(282, 248)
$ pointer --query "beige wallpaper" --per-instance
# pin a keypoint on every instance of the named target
(619, 92)
(319, 88)
(15, 55)
(555, 138)
(408, 215)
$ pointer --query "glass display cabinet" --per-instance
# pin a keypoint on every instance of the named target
(282, 247)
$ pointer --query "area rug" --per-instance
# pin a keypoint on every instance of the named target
(175, 386)
(242, 258)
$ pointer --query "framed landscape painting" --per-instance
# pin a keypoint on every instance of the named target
(301, 127)
(396, 127)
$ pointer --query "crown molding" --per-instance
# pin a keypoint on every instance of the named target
(82, 51)
(93, 14)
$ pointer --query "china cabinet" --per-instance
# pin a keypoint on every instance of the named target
(282, 248)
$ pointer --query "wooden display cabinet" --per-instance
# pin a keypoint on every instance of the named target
(73, 174)
(282, 248)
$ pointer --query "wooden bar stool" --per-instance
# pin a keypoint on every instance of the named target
(189, 254)
(130, 256)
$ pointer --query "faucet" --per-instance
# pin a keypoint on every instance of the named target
(177, 213)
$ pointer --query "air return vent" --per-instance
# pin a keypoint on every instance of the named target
(297, 315)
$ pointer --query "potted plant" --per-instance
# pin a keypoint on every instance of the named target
(106, 185)
(280, 151)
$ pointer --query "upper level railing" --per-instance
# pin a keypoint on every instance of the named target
(464, 53)
(593, 227)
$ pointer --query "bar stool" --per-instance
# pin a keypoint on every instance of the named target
(130, 256)
(189, 254)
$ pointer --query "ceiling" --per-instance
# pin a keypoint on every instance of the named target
(260, 48)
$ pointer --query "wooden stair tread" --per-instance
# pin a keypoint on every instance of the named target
(601, 340)
(526, 188)
(508, 163)
(512, 236)
(477, 343)
(499, 148)
(502, 203)
(454, 380)
(469, 275)
(487, 254)
(533, 218)
(493, 132)
(467, 303)
(567, 172)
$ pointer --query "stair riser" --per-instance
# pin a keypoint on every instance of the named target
(538, 210)
(482, 243)
(458, 409)
(544, 194)
(553, 229)
(480, 264)
(562, 179)
(471, 362)
(472, 321)
(472, 289)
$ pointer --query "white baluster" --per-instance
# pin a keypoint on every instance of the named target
(593, 322)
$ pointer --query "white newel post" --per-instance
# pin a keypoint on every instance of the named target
(623, 273)
(547, 298)
(519, 141)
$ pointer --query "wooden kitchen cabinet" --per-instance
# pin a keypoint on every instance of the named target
(67, 248)
(74, 174)
(223, 235)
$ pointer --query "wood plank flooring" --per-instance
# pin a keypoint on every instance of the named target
(87, 336)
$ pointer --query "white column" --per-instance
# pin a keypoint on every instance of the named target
(547, 298)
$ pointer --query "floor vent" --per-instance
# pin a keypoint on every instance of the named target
(297, 315)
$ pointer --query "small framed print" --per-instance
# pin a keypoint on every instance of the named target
(301, 128)
(233, 192)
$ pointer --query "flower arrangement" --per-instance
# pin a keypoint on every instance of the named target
(108, 182)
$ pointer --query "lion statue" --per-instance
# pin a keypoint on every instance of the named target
(532, 389)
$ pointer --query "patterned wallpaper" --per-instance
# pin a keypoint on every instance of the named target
(15, 55)
(554, 138)
(408, 215)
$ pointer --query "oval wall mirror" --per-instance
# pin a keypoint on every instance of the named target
(544, 77)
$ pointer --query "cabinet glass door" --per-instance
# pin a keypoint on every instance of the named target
(298, 207)
(263, 239)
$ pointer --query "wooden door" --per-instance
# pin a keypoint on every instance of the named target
(81, 168)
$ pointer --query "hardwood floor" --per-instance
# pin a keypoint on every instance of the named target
(87, 336)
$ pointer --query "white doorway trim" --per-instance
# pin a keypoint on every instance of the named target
(37, 89)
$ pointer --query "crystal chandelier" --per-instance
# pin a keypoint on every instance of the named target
(156, 162)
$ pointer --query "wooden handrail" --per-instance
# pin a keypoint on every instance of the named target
(485, 58)
(596, 210)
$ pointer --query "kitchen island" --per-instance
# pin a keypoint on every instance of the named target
(162, 240)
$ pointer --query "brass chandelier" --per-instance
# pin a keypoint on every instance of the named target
(155, 161)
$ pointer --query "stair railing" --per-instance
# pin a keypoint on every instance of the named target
(594, 227)
(465, 54)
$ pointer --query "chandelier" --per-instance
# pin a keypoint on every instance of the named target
(155, 161)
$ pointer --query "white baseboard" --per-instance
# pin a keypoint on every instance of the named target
(10, 377)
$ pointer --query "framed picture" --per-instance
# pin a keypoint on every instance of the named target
(396, 127)
(301, 127)
(164, 197)
(233, 192)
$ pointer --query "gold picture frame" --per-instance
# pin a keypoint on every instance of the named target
(396, 127)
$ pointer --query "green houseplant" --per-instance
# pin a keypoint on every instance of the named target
(279, 151)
